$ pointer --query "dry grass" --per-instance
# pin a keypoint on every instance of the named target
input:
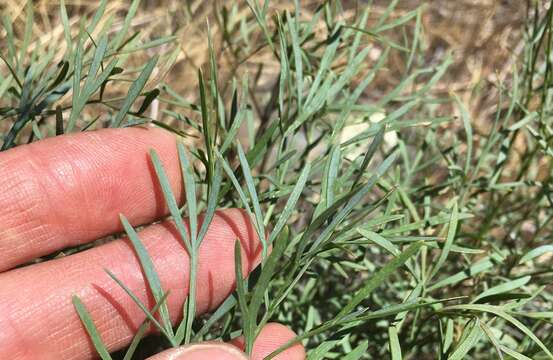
(482, 34)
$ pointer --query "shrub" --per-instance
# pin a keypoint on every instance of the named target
(397, 229)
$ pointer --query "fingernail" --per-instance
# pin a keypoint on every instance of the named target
(202, 352)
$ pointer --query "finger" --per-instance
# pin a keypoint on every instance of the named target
(271, 337)
(36, 313)
(203, 351)
(70, 189)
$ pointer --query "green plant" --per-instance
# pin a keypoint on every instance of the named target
(338, 177)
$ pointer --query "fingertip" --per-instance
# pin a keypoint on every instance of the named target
(203, 351)
(272, 337)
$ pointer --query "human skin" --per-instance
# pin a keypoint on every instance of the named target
(69, 190)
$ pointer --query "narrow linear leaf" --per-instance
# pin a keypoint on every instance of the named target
(498, 311)
(516, 355)
(379, 278)
(77, 73)
(142, 331)
(91, 329)
(66, 27)
(267, 273)
(452, 229)
(229, 303)
(170, 199)
(118, 42)
(473, 336)
(241, 292)
(375, 144)
(134, 91)
(149, 315)
(489, 333)
(503, 288)
(151, 275)
(465, 116)
(534, 253)
(190, 190)
(395, 347)
(291, 203)
(101, 8)
(296, 49)
(250, 185)
(358, 352)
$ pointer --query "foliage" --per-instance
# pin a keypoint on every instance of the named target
(371, 256)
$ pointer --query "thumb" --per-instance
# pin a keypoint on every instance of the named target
(202, 351)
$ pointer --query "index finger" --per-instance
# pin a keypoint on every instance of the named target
(70, 189)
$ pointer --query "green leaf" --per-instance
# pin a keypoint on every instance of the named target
(7, 22)
(100, 9)
(351, 200)
(447, 338)
(395, 347)
(502, 288)
(298, 63)
(142, 331)
(358, 352)
(229, 303)
(375, 144)
(236, 184)
(322, 351)
(452, 229)
(190, 190)
(134, 91)
(534, 253)
(237, 120)
(250, 185)
(378, 279)
(91, 329)
(99, 53)
(475, 269)
(516, 355)
(469, 341)
(291, 203)
(465, 116)
(498, 311)
(384, 243)
(28, 32)
(207, 129)
(131, 12)
(489, 333)
(150, 96)
(212, 201)
(331, 169)
(380, 241)
(77, 74)
(150, 272)
(267, 273)
(284, 76)
(143, 307)
(66, 27)
(170, 200)
(241, 292)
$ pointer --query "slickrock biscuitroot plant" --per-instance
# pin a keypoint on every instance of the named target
(366, 250)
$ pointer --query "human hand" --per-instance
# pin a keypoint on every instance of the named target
(70, 190)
